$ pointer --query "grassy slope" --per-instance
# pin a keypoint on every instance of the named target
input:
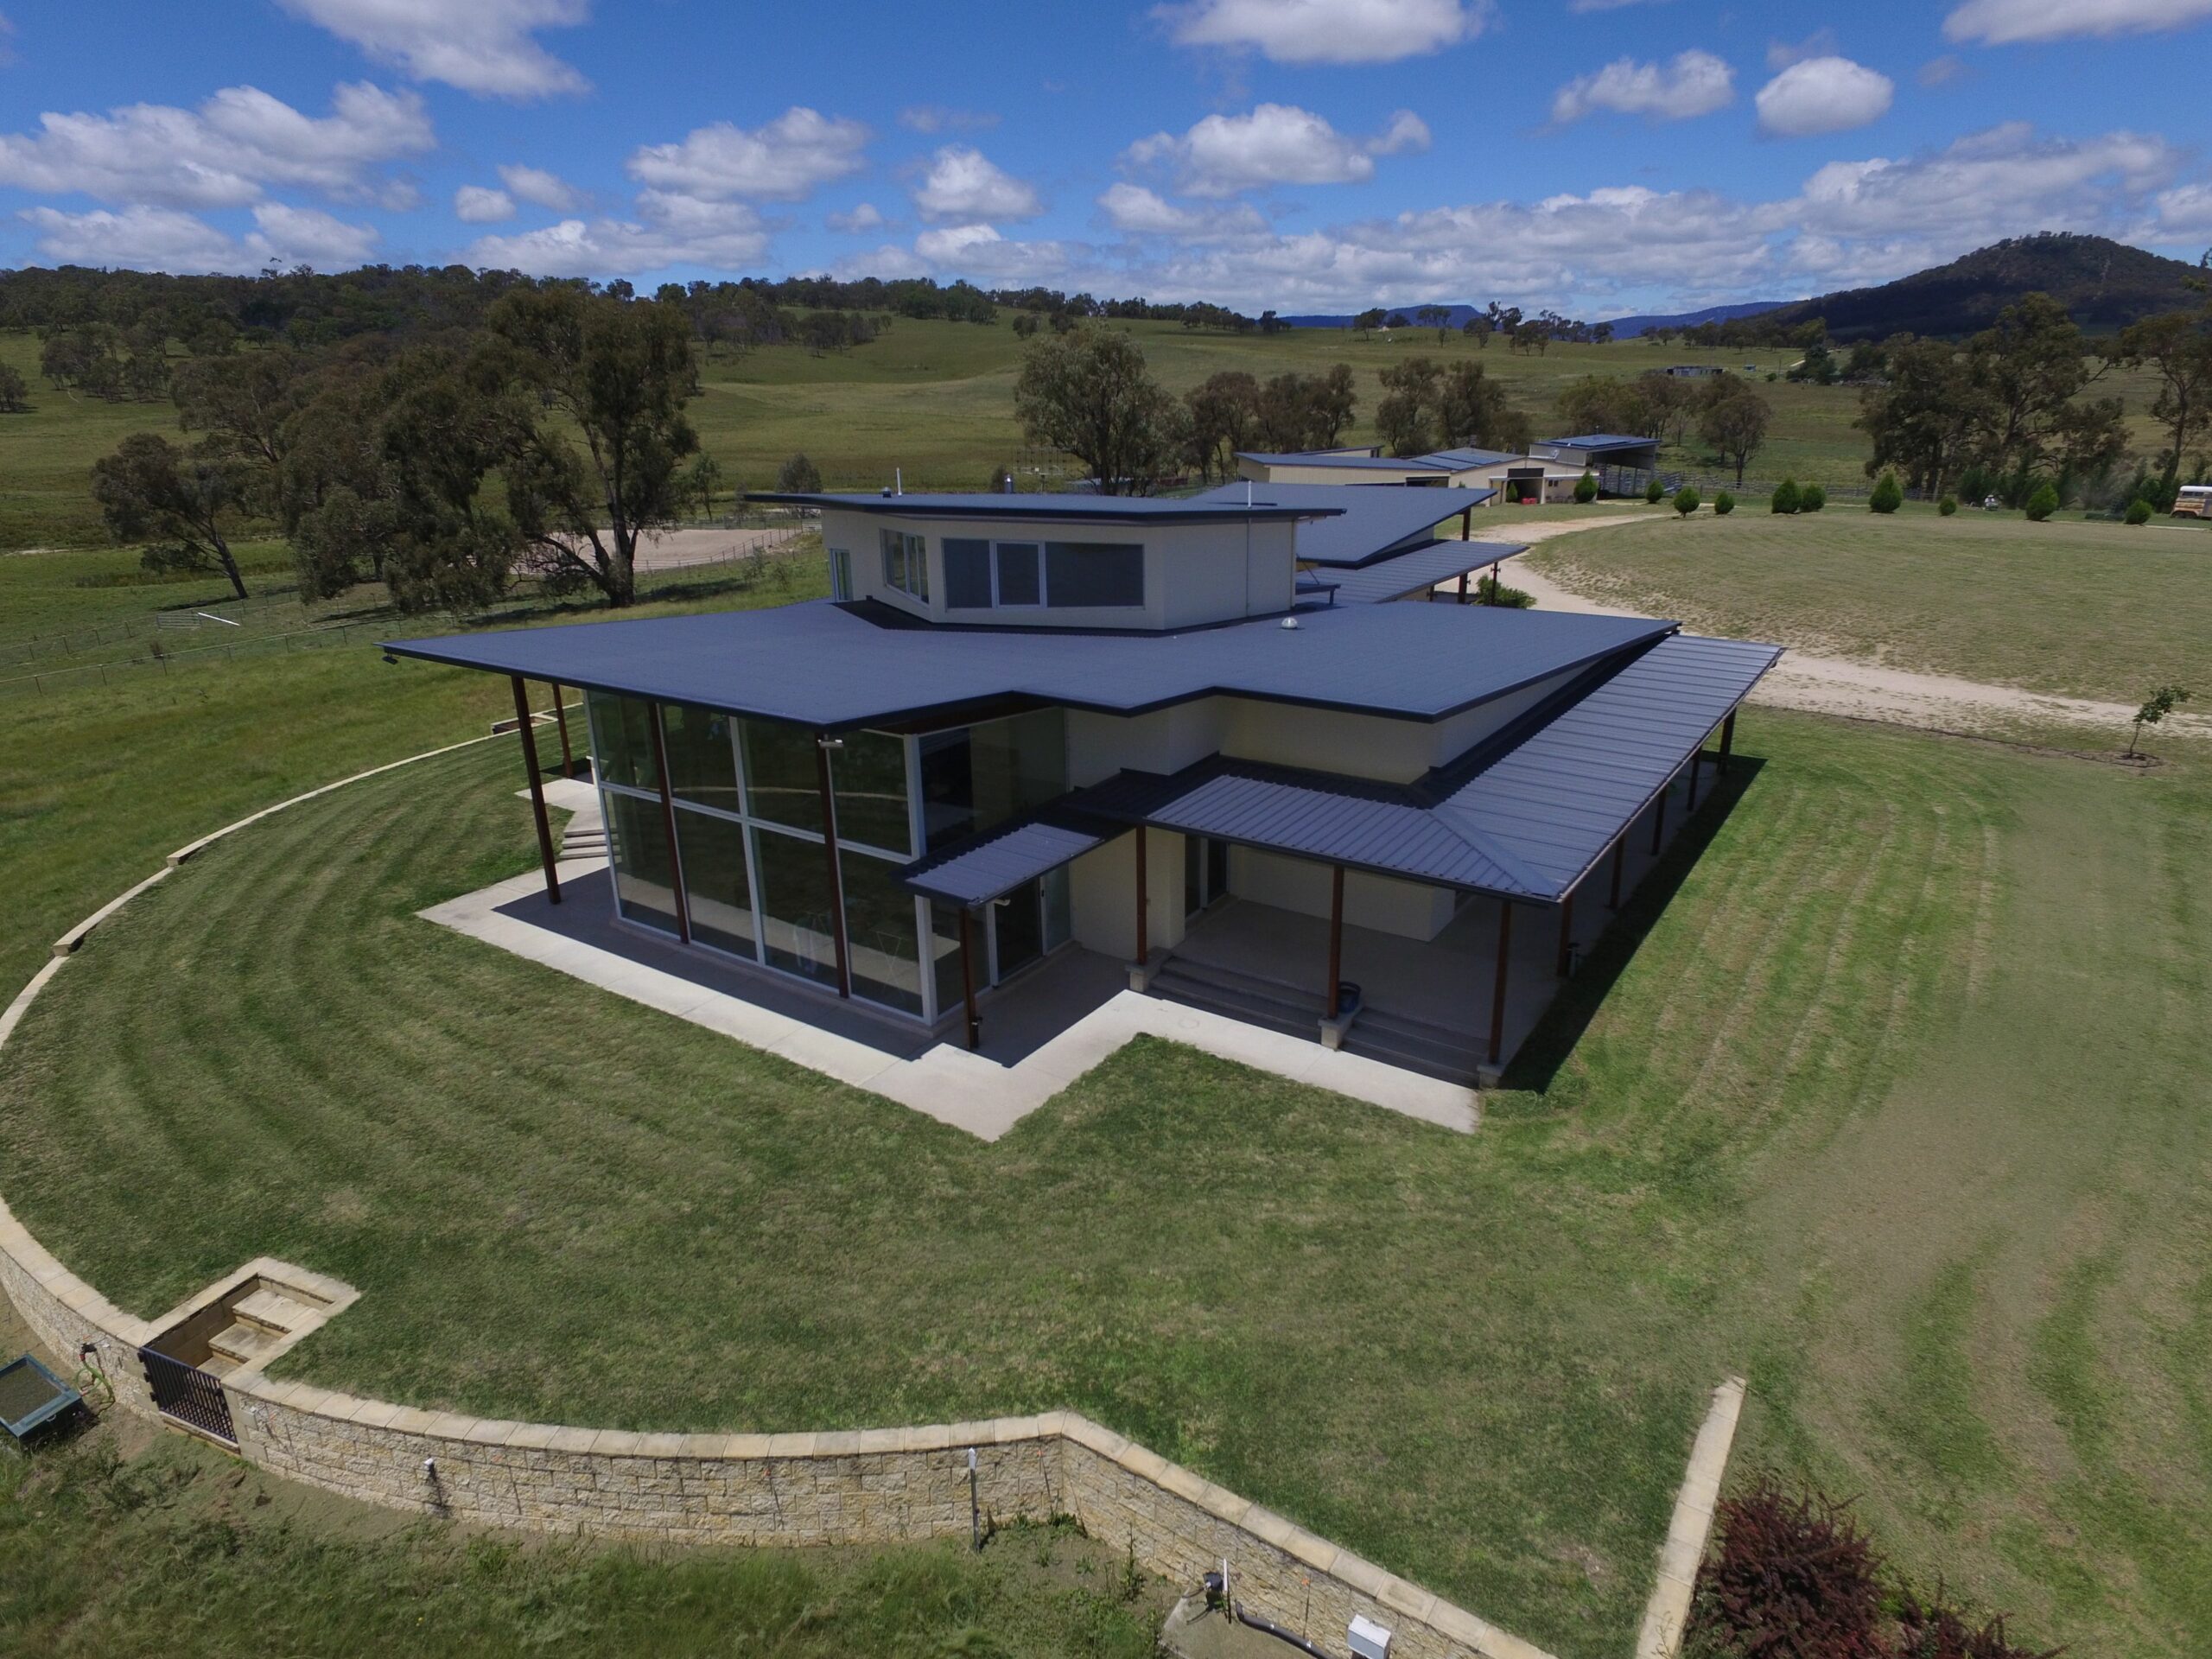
(47, 453)
(2095, 610)
(1879, 1110)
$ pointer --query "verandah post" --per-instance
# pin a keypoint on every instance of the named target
(1727, 740)
(1497, 988)
(967, 978)
(536, 790)
(1144, 952)
(560, 720)
(1336, 941)
(1566, 932)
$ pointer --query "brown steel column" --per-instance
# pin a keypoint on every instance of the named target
(560, 717)
(668, 825)
(1466, 524)
(1462, 587)
(1566, 932)
(836, 875)
(1620, 853)
(1727, 740)
(1497, 990)
(1659, 817)
(1336, 938)
(537, 790)
(1144, 951)
(968, 979)
(1697, 759)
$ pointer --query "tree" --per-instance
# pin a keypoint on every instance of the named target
(1090, 394)
(1406, 415)
(2138, 511)
(1224, 411)
(2177, 346)
(2042, 503)
(1925, 418)
(2158, 706)
(799, 476)
(1735, 424)
(1812, 499)
(1887, 496)
(1654, 491)
(1471, 410)
(703, 483)
(1723, 504)
(177, 501)
(1687, 500)
(1585, 488)
(1438, 317)
(1333, 398)
(1785, 497)
(1025, 325)
(14, 394)
(594, 391)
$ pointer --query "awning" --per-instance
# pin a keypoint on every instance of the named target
(976, 871)
(1417, 570)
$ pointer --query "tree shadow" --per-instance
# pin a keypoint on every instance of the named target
(1537, 1063)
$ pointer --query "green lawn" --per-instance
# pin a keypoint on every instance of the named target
(1896, 1106)
(2095, 610)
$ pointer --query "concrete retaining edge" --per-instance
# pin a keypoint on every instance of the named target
(856, 1486)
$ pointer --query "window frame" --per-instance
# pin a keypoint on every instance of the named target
(914, 563)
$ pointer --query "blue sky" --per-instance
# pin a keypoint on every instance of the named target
(1597, 155)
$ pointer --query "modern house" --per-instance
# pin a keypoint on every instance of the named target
(1032, 731)
(1501, 478)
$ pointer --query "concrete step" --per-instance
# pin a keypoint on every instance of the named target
(1219, 993)
(1416, 1044)
(1249, 984)
(273, 1311)
(241, 1342)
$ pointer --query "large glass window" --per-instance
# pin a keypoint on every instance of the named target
(782, 779)
(716, 889)
(967, 573)
(880, 922)
(974, 777)
(798, 914)
(645, 886)
(906, 564)
(1093, 574)
(702, 763)
(869, 780)
(841, 574)
(944, 955)
(1020, 579)
(622, 738)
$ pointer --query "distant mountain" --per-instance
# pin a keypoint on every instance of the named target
(1459, 315)
(1630, 328)
(2105, 284)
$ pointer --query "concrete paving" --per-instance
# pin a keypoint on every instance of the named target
(982, 1093)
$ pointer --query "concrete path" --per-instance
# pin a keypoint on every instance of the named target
(1668, 1611)
(945, 1082)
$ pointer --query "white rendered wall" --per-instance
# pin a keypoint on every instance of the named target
(1405, 908)
(1103, 892)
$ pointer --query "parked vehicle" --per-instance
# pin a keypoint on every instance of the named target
(2193, 501)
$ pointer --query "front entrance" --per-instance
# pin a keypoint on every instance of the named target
(1028, 924)
(1205, 872)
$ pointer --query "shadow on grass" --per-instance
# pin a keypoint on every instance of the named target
(1533, 1068)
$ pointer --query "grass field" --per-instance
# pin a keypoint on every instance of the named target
(936, 400)
(2095, 610)
(1894, 1107)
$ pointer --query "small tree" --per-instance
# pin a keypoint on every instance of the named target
(1786, 496)
(1889, 495)
(1723, 504)
(1812, 499)
(1947, 506)
(1585, 488)
(1685, 500)
(1090, 394)
(2138, 511)
(2160, 705)
(176, 500)
(799, 476)
(14, 394)
(1654, 491)
(2042, 503)
(705, 480)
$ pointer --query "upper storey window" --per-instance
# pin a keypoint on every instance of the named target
(1050, 575)
(906, 564)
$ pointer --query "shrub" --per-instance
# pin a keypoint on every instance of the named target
(1585, 488)
(1652, 491)
(2138, 511)
(1812, 499)
(1889, 495)
(799, 476)
(1786, 496)
(1793, 1578)
(1687, 500)
(1932, 1627)
(1947, 506)
(1489, 591)
(2042, 503)
(1723, 504)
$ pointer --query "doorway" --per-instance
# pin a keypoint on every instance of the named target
(1205, 872)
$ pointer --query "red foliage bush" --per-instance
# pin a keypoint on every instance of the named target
(1794, 1578)
(1937, 1628)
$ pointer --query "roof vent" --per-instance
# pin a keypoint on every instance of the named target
(1289, 622)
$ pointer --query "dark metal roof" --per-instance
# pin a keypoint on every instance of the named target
(1460, 460)
(833, 666)
(1598, 441)
(1330, 458)
(1544, 801)
(1029, 509)
(1416, 569)
(977, 872)
(1368, 525)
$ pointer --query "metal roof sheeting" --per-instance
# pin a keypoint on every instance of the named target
(1005, 858)
(833, 666)
(1415, 570)
(1368, 525)
(1029, 509)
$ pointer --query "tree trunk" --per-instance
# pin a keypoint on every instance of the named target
(230, 566)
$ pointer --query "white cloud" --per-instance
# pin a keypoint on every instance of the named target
(143, 238)
(964, 184)
(981, 252)
(1139, 212)
(1942, 72)
(223, 154)
(536, 185)
(1780, 54)
(783, 161)
(2185, 211)
(939, 117)
(475, 204)
(1695, 83)
(865, 217)
(1326, 31)
(480, 45)
(1823, 95)
(1276, 143)
(2006, 23)
(887, 263)
(670, 229)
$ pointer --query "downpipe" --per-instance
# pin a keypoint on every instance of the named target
(1218, 1600)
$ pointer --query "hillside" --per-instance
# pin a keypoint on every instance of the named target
(2105, 284)
(1624, 327)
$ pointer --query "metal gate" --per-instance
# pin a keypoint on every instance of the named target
(189, 1395)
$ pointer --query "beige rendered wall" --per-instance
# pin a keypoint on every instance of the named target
(1102, 895)
(1407, 909)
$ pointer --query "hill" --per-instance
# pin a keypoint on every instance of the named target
(2105, 284)
(1634, 327)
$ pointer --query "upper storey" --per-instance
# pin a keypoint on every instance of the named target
(1084, 562)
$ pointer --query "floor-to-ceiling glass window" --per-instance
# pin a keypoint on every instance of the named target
(976, 777)
(882, 922)
(799, 907)
(637, 843)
